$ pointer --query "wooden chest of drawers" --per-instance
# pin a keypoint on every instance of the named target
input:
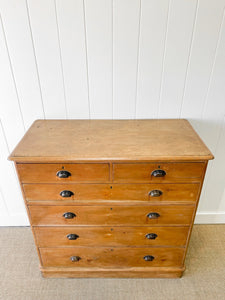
(111, 198)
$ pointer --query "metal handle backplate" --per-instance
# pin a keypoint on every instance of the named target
(69, 215)
(153, 215)
(151, 236)
(63, 174)
(75, 258)
(155, 193)
(72, 236)
(158, 173)
(148, 257)
(66, 194)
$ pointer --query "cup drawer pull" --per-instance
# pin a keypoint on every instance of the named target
(66, 194)
(72, 236)
(69, 215)
(148, 257)
(153, 215)
(151, 236)
(158, 173)
(63, 174)
(155, 193)
(75, 258)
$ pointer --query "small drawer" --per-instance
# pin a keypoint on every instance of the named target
(63, 173)
(71, 236)
(111, 215)
(111, 257)
(158, 172)
(124, 192)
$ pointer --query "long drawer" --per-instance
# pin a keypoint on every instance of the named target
(124, 192)
(166, 172)
(111, 257)
(71, 236)
(111, 215)
(60, 173)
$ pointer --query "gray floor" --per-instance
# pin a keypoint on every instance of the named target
(204, 277)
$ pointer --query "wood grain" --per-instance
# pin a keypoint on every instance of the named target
(174, 193)
(101, 140)
(37, 173)
(113, 215)
(141, 172)
(111, 257)
(110, 236)
(111, 199)
(144, 272)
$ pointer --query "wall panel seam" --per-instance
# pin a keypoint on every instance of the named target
(164, 57)
(4, 202)
(60, 57)
(12, 73)
(222, 127)
(14, 172)
(35, 60)
(138, 59)
(86, 54)
(112, 60)
(189, 57)
(213, 66)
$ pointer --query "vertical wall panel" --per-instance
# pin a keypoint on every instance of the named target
(112, 59)
(214, 189)
(3, 209)
(126, 20)
(151, 56)
(8, 182)
(211, 126)
(209, 17)
(16, 26)
(72, 40)
(221, 207)
(10, 113)
(98, 23)
(177, 48)
(214, 108)
(45, 35)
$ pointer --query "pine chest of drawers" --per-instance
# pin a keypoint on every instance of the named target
(113, 198)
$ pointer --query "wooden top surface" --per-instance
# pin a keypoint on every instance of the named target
(103, 140)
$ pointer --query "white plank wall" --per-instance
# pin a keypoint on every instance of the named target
(107, 59)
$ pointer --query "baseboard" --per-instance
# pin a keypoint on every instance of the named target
(210, 217)
(14, 220)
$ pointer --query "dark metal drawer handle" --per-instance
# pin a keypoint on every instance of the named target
(72, 236)
(69, 215)
(66, 194)
(63, 174)
(158, 173)
(148, 257)
(151, 236)
(75, 258)
(153, 215)
(155, 193)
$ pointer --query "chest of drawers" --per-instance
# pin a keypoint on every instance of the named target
(113, 198)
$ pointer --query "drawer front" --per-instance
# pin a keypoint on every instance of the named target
(143, 172)
(111, 257)
(35, 173)
(111, 215)
(110, 236)
(124, 192)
